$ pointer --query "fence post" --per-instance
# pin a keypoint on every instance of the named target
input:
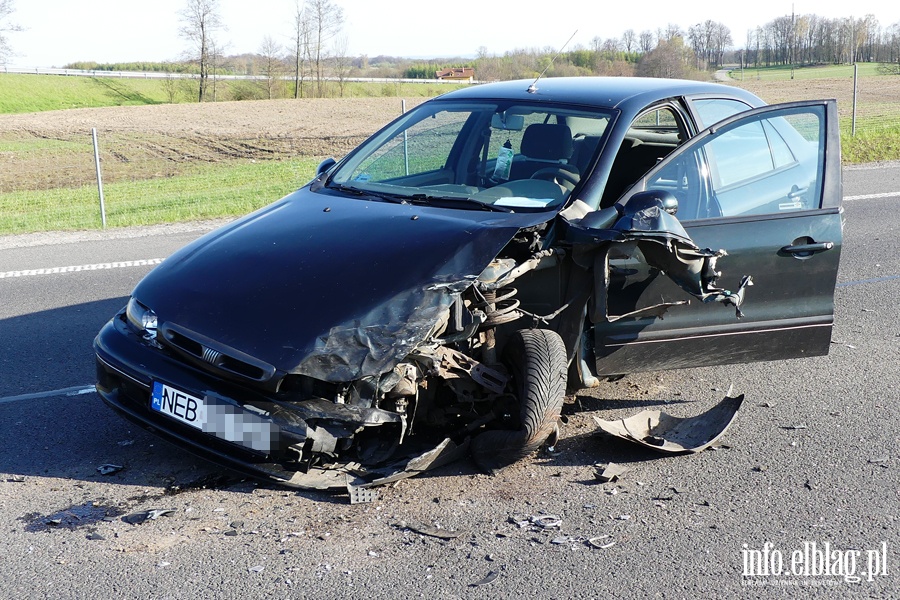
(99, 176)
(405, 139)
(855, 88)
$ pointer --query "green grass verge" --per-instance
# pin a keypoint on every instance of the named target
(781, 73)
(33, 93)
(870, 145)
(209, 191)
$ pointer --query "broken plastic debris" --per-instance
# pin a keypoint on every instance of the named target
(256, 569)
(665, 433)
(434, 531)
(794, 427)
(489, 578)
(361, 495)
(600, 542)
(567, 539)
(546, 521)
(147, 515)
(109, 469)
(610, 472)
(16, 479)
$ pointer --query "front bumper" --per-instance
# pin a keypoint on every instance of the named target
(126, 369)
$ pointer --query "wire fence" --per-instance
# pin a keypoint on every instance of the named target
(874, 100)
(48, 179)
(51, 182)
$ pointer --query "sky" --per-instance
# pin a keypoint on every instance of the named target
(57, 32)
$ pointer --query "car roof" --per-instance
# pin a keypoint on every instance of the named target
(607, 92)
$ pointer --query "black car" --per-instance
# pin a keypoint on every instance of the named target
(438, 290)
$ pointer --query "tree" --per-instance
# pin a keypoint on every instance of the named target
(326, 22)
(272, 67)
(302, 32)
(200, 21)
(671, 58)
(6, 9)
(342, 63)
(645, 41)
(628, 40)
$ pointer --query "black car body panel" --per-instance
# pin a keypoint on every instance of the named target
(433, 292)
(339, 288)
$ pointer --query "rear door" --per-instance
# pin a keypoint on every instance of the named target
(765, 186)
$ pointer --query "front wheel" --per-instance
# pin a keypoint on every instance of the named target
(537, 361)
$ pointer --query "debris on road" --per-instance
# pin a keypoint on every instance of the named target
(361, 495)
(665, 433)
(109, 469)
(489, 578)
(147, 515)
(600, 542)
(547, 521)
(610, 472)
(435, 532)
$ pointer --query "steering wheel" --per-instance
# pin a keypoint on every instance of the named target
(565, 178)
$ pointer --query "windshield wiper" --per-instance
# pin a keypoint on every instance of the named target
(395, 198)
(454, 202)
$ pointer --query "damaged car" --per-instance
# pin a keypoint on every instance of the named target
(437, 292)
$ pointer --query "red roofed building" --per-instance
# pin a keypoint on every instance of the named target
(457, 74)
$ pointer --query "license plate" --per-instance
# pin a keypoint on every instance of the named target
(178, 405)
(221, 419)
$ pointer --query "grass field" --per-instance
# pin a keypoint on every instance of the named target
(32, 93)
(782, 73)
(23, 93)
(176, 162)
(203, 192)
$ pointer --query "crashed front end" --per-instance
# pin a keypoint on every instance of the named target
(373, 374)
(370, 363)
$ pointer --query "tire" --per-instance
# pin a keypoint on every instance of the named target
(537, 362)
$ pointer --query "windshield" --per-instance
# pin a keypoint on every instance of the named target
(487, 155)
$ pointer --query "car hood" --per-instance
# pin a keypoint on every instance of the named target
(324, 285)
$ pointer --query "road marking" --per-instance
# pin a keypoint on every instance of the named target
(77, 390)
(77, 268)
(873, 196)
(873, 280)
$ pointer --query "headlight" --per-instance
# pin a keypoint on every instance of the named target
(141, 318)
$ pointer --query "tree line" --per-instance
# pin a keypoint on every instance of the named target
(316, 61)
(811, 39)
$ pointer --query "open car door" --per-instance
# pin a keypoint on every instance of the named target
(765, 187)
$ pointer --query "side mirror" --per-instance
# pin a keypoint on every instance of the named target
(601, 219)
(661, 198)
(325, 165)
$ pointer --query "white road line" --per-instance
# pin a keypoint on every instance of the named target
(78, 390)
(873, 196)
(78, 268)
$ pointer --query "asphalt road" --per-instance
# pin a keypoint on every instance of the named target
(812, 459)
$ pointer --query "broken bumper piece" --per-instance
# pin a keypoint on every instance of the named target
(674, 435)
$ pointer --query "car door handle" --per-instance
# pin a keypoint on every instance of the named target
(807, 249)
(797, 192)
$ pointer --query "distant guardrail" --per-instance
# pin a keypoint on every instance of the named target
(158, 75)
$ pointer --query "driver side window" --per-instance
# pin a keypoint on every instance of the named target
(650, 138)
(766, 165)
